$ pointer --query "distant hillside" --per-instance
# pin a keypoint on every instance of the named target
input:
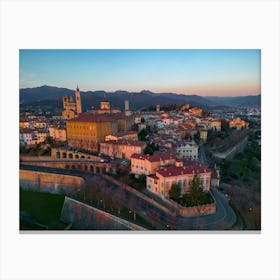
(239, 101)
(137, 100)
(52, 97)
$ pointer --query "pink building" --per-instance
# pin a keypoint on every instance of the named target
(147, 164)
(122, 148)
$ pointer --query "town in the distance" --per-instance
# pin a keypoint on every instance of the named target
(171, 166)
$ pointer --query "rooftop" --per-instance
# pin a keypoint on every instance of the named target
(125, 142)
(89, 117)
(182, 170)
(153, 158)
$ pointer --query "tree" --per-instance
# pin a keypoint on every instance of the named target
(197, 136)
(142, 135)
(196, 194)
(225, 125)
(175, 191)
(149, 150)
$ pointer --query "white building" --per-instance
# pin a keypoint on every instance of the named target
(25, 136)
(186, 149)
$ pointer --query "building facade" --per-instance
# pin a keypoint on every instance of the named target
(72, 108)
(161, 182)
(58, 133)
(187, 149)
(122, 148)
(87, 130)
(147, 164)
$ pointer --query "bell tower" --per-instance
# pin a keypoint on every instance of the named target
(78, 101)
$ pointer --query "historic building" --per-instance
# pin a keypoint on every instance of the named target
(129, 135)
(106, 108)
(161, 182)
(196, 111)
(25, 136)
(122, 148)
(58, 132)
(186, 149)
(147, 164)
(87, 130)
(237, 123)
(72, 108)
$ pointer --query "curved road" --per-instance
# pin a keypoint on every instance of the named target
(223, 219)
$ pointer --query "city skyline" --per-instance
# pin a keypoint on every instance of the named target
(202, 72)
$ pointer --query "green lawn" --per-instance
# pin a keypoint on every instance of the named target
(40, 210)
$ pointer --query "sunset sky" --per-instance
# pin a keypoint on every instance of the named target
(202, 72)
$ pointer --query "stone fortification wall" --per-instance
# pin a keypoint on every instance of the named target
(205, 209)
(198, 210)
(43, 181)
(232, 151)
(85, 217)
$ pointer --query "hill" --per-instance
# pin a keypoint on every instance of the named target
(52, 96)
(238, 101)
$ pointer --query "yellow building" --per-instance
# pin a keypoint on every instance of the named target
(87, 130)
(196, 111)
(203, 135)
(237, 123)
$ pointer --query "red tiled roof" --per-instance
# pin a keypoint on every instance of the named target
(153, 158)
(182, 170)
(89, 117)
(26, 130)
(125, 142)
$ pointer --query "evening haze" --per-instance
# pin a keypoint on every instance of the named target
(202, 72)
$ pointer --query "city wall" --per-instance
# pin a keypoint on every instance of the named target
(50, 182)
(231, 152)
(205, 209)
(85, 217)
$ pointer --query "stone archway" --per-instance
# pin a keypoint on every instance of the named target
(70, 155)
(64, 155)
(76, 156)
(57, 154)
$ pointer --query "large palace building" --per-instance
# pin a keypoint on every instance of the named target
(87, 130)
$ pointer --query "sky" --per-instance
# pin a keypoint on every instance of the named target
(182, 71)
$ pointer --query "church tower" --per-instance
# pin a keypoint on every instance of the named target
(78, 101)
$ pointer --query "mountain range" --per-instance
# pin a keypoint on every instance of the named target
(52, 97)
